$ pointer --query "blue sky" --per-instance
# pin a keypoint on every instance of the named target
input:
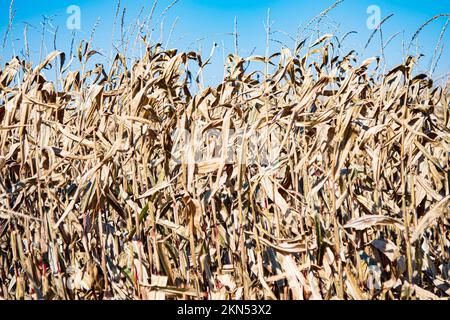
(199, 23)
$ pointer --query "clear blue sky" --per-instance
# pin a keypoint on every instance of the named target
(202, 22)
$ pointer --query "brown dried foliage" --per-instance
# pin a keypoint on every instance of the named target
(350, 201)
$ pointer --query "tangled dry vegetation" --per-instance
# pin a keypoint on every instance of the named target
(336, 187)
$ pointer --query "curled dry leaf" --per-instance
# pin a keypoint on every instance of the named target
(371, 221)
(388, 248)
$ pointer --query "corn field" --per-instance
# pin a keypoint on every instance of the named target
(314, 177)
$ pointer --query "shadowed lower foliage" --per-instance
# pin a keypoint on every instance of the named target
(317, 178)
